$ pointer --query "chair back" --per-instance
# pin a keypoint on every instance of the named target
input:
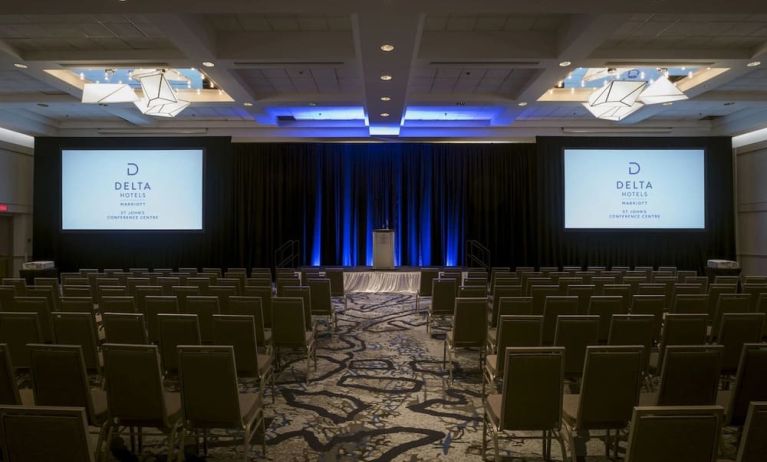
(17, 330)
(9, 392)
(690, 375)
(737, 329)
(265, 294)
(78, 329)
(612, 377)
(619, 290)
(755, 290)
(76, 304)
(750, 382)
(690, 304)
(470, 322)
(468, 291)
(443, 296)
(209, 393)
(118, 304)
(653, 305)
(59, 378)
(532, 389)
(19, 284)
(204, 307)
(540, 293)
(649, 288)
(223, 293)
(584, 292)
(729, 303)
(249, 306)
(502, 292)
(516, 331)
(125, 328)
(336, 277)
(753, 444)
(154, 306)
(674, 434)
(175, 330)
(63, 432)
(634, 329)
(319, 290)
(239, 331)
(181, 292)
(288, 322)
(605, 307)
(427, 276)
(42, 307)
(515, 306)
(575, 333)
(304, 293)
(555, 306)
(134, 385)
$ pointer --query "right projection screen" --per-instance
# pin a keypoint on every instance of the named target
(634, 188)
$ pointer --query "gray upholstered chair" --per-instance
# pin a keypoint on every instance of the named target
(690, 376)
(574, 334)
(442, 301)
(125, 328)
(17, 330)
(753, 444)
(174, 330)
(469, 330)
(289, 329)
(513, 331)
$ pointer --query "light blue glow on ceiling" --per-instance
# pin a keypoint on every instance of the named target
(436, 113)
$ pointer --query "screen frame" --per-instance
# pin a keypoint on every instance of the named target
(636, 230)
(203, 227)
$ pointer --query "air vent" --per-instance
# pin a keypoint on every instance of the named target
(504, 64)
(711, 117)
(287, 64)
(285, 118)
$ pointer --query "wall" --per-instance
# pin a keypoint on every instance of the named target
(751, 168)
(16, 173)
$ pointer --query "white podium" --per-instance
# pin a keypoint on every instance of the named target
(383, 249)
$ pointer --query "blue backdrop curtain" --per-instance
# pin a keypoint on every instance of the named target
(435, 196)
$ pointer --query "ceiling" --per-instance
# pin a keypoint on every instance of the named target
(461, 70)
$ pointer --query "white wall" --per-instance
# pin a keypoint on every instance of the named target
(16, 180)
(751, 207)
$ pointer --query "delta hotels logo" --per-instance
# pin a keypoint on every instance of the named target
(635, 187)
(129, 187)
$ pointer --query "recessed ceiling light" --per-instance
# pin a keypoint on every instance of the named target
(384, 114)
(668, 103)
(21, 66)
(42, 104)
(754, 63)
(387, 47)
(522, 103)
(208, 64)
(312, 104)
(247, 104)
(729, 103)
(385, 98)
(385, 77)
(565, 63)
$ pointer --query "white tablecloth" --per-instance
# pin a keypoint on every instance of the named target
(402, 282)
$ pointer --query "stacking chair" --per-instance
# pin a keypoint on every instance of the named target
(175, 330)
(76, 304)
(336, 276)
(681, 329)
(555, 306)
(9, 391)
(575, 333)
(265, 294)
(605, 307)
(651, 289)
(45, 434)
(540, 293)
(690, 304)
(289, 329)
(469, 330)
(499, 294)
(79, 329)
(118, 304)
(182, 292)
(76, 291)
(237, 283)
(321, 303)
(124, 328)
(155, 305)
(7, 293)
(204, 307)
(584, 292)
(761, 307)
(753, 444)
(17, 330)
(425, 285)
(612, 377)
(251, 306)
(142, 292)
(619, 290)
(714, 291)
(510, 306)
(634, 329)
(754, 290)
(202, 283)
(442, 302)
(135, 393)
(735, 330)
(286, 282)
(239, 331)
(304, 293)
(674, 434)
(531, 399)
(473, 292)
(690, 376)
(19, 283)
(729, 303)
(750, 384)
(702, 280)
(42, 307)
(59, 379)
(513, 331)
(223, 293)
(210, 397)
(652, 305)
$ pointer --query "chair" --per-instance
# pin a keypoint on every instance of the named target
(19, 283)
(729, 303)
(62, 430)
(690, 376)
(499, 294)
(761, 307)
(202, 283)
(584, 292)
(79, 329)
(251, 306)
(634, 329)
(336, 276)
(9, 391)
(289, 329)
(425, 285)
(223, 293)
(118, 304)
(753, 444)
(513, 331)
(619, 290)
(508, 306)
(76, 304)
(540, 293)
(605, 307)
(76, 291)
(204, 307)
(182, 292)
(210, 397)
(42, 307)
(674, 434)
(135, 393)
(555, 306)
(652, 305)
(305, 294)
(714, 291)
(17, 330)
(265, 294)
(442, 301)
(750, 384)
(731, 280)
(735, 330)
(612, 377)
(681, 329)
(702, 280)
(7, 293)
(755, 290)
(531, 399)
(575, 333)
(124, 328)
(690, 304)
(469, 330)
(175, 330)
(167, 283)
(239, 331)
(322, 304)
(142, 292)
(235, 282)
(473, 292)
(59, 379)
(652, 289)
(154, 306)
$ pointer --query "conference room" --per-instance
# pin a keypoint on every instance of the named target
(383, 231)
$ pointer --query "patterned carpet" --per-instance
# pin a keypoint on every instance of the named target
(379, 394)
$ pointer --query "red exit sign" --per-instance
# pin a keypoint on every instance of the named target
(3, 207)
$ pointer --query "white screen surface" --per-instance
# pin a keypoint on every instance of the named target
(131, 189)
(634, 189)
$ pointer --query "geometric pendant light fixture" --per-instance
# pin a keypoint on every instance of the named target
(617, 92)
(613, 111)
(661, 91)
(157, 89)
(162, 110)
(104, 93)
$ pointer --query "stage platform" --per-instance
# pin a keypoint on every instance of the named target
(378, 281)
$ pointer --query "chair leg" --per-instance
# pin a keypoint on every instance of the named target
(274, 388)
(181, 435)
(245, 444)
(562, 447)
(484, 434)
(263, 428)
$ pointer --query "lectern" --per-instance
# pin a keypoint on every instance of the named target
(383, 249)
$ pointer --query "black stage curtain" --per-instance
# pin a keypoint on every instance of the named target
(685, 249)
(435, 197)
(109, 249)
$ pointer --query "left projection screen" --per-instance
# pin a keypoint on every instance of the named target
(131, 190)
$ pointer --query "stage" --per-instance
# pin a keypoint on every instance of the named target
(379, 281)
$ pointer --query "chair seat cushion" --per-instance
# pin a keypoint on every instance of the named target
(100, 409)
(490, 363)
(27, 397)
(264, 363)
(570, 403)
(493, 406)
(172, 405)
(649, 399)
(250, 406)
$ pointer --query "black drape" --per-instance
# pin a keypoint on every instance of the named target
(685, 249)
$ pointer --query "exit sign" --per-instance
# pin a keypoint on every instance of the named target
(3, 207)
